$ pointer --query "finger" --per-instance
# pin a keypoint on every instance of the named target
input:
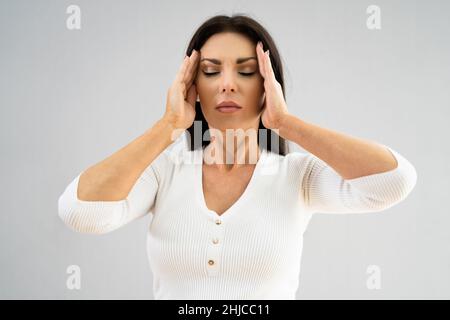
(268, 66)
(189, 66)
(191, 63)
(260, 56)
(192, 70)
(181, 71)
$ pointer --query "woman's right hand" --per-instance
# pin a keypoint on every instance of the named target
(181, 96)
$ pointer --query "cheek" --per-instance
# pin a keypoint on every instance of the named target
(257, 89)
(205, 85)
(257, 84)
(204, 89)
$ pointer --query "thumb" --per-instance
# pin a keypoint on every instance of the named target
(263, 102)
(192, 95)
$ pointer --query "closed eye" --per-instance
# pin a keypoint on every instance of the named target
(245, 74)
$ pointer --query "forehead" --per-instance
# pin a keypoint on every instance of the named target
(227, 45)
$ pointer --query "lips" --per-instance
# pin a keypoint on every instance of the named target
(228, 106)
(228, 103)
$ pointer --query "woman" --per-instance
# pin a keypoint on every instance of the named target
(227, 227)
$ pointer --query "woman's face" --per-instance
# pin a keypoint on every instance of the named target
(230, 79)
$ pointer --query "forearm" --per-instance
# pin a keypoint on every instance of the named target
(112, 178)
(349, 156)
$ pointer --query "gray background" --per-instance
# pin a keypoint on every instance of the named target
(71, 98)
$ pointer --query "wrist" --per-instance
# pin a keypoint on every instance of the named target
(284, 125)
(283, 121)
(168, 125)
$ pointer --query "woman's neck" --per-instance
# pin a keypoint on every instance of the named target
(232, 151)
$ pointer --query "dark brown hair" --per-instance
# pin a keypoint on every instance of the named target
(255, 32)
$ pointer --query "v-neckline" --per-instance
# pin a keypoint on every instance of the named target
(233, 208)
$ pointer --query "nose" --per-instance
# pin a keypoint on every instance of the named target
(228, 82)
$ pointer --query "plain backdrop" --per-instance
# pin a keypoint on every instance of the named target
(70, 98)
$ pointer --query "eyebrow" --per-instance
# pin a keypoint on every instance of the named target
(238, 60)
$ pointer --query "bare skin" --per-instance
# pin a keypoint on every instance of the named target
(350, 157)
(225, 181)
(112, 178)
(260, 96)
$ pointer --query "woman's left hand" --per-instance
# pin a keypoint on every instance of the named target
(274, 106)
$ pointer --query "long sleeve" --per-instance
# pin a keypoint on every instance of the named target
(100, 217)
(325, 191)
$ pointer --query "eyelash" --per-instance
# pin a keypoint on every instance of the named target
(210, 74)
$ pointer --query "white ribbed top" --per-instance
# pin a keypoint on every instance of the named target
(251, 251)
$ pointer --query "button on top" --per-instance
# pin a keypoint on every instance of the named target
(211, 262)
(218, 221)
